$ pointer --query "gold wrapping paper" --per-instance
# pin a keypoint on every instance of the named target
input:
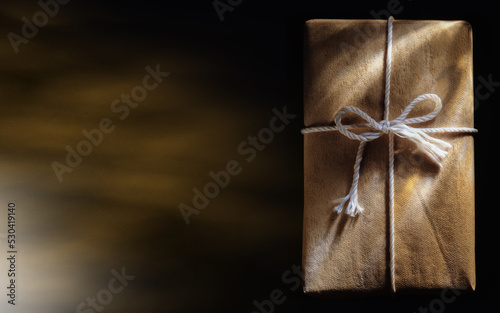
(344, 65)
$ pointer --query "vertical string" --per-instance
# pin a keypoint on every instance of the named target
(388, 57)
(391, 212)
(391, 154)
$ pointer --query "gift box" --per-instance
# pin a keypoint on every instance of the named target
(424, 240)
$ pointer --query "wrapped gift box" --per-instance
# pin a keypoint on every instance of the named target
(344, 65)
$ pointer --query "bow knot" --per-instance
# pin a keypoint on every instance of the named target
(435, 149)
(385, 126)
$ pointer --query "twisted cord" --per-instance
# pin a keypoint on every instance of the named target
(391, 150)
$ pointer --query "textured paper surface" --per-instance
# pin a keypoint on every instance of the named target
(434, 207)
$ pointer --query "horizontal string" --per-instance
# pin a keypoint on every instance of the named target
(317, 129)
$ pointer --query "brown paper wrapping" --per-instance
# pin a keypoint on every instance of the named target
(434, 207)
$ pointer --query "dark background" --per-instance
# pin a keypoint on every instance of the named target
(120, 207)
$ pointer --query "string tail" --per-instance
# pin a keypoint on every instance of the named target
(434, 148)
(353, 206)
(351, 199)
